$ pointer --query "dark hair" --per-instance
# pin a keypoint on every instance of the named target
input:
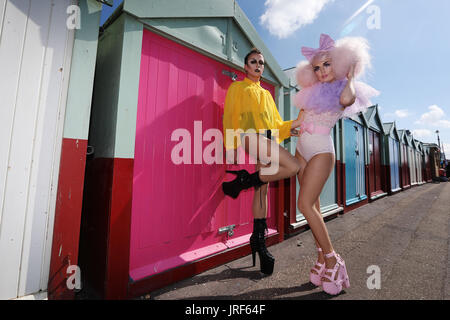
(254, 50)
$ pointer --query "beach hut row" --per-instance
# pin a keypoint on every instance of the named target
(120, 204)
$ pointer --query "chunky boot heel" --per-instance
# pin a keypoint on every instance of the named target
(258, 244)
(244, 180)
(267, 265)
(253, 253)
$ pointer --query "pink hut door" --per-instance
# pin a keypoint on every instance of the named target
(178, 209)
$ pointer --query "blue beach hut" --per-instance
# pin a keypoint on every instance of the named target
(392, 156)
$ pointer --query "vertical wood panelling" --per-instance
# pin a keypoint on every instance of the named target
(47, 149)
(34, 53)
(12, 195)
(2, 15)
(59, 84)
(28, 114)
(354, 162)
(11, 48)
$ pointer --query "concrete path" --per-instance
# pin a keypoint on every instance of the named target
(403, 239)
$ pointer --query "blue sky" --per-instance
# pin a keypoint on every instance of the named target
(410, 42)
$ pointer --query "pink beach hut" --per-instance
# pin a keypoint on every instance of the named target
(153, 214)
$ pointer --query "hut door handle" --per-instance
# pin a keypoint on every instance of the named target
(228, 229)
(230, 74)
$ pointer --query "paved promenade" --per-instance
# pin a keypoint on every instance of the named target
(400, 240)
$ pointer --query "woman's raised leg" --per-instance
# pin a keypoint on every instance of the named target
(275, 157)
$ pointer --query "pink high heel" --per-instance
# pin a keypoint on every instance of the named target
(316, 279)
(332, 286)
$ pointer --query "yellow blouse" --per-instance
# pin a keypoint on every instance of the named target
(249, 106)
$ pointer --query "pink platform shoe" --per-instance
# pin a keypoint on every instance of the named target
(316, 279)
(342, 281)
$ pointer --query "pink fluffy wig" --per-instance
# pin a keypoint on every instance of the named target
(346, 51)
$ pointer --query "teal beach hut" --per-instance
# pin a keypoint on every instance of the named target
(355, 156)
(392, 156)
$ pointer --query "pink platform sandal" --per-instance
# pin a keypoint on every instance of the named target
(332, 286)
(316, 279)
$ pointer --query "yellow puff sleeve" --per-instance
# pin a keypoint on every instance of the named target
(231, 115)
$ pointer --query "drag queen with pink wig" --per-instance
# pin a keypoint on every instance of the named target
(328, 93)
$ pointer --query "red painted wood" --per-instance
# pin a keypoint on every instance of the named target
(367, 180)
(95, 223)
(117, 274)
(339, 182)
(105, 232)
(375, 172)
(355, 205)
(280, 208)
(370, 172)
(66, 228)
(377, 167)
(342, 184)
(405, 174)
(387, 173)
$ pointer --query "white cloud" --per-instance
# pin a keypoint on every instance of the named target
(402, 113)
(399, 113)
(422, 133)
(284, 17)
(434, 117)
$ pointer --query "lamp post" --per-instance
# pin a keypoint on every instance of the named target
(439, 145)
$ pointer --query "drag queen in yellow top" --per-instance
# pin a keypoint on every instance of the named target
(251, 116)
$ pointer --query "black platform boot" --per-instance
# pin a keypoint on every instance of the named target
(244, 180)
(258, 244)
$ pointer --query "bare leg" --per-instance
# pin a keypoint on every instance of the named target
(303, 163)
(320, 258)
(313, 179)
(288, 165)
(259, 206)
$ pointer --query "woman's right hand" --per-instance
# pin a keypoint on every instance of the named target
(297, 122)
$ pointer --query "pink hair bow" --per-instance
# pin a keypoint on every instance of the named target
(325, 44)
